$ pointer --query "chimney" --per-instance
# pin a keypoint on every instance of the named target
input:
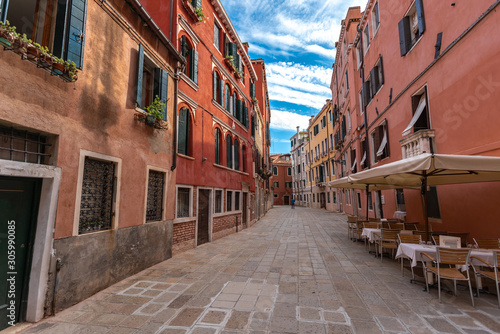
(246, 46)
(311, 120)
(298, 127)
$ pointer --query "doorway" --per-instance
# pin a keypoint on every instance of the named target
(19, 201)
(322, 200)
(286, 200)
(203, 216)
(245, 210)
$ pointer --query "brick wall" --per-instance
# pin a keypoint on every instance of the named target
(225, 225)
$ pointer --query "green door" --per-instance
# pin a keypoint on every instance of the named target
(19, 199)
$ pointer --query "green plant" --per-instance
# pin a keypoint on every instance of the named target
(25, 39)
(45, 50)
(156, 108)
(200, 14)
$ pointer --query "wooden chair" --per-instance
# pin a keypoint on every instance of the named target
(451, 257)
(373, 219)
(411, 226)
(351, 221)
(384, 224)
(464, 237)
(358, 230)
(396, 226)
(387, 239)
(408, 239)
(494, 275)
(487, 243)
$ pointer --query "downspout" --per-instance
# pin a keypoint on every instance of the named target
(174, 141)
(171, 19)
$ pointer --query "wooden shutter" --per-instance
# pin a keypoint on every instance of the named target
(197, 3)
(236, 59)
(229, 152)
(252, 119)
(387, 147)
(381, 66)
(239, 105)
(366, 93)
(194, 62)
(420, 15)
(221, 92)
(215, 85)
(76, 32)
(183, 130)
(374, 81)
(376, 142)
(236, 155)
(404, 35)
(245, 116)
(4, 4)
(217, 146)
(184, 46)
(140, 72)
(226, 49)
(252, 90)
(161, 88)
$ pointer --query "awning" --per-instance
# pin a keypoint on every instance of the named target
(353, 167)
(383, 144)
(416, 116)
(362, 163)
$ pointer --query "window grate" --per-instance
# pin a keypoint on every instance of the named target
(154, 208)
(24, 146)
(96, 210)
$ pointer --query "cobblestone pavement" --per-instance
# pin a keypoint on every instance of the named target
(294, 271)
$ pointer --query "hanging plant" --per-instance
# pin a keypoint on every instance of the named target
(200, 14)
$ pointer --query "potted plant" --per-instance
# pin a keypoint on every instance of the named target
(70, 70)
(45, 60)
(6, 36)
(20, 43)
(58, 66)
(34, 50)
(200, 14)
(154, 111)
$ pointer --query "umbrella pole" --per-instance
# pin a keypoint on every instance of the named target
(367, 202)
(424, 205)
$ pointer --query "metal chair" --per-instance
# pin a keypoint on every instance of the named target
(451, 257)
(488, 274)
(351, 220)
(408, 239)
(387, 239)
(487, 243)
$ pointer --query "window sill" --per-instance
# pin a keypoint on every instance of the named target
(190, 82)
(180, 155)
(184, 220)
(414, 45)
(230, 169)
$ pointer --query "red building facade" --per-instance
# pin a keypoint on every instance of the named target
(281, 179)
(415, 87)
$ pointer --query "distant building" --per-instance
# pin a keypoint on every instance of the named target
(281, 178)
(299, 175)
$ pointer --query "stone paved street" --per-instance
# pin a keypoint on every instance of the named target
(294, 271)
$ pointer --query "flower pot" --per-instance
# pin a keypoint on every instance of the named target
(19, 47)
(33, 52)
(58, 68)
(6, 38)
(45, 60)
(150, 120)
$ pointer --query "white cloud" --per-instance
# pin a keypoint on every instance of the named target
(286, 120)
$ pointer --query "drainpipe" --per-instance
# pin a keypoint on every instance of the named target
(176, 93)
(171, 19)
(59, 265)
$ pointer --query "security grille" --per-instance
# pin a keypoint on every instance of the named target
(24, 146)
(96, 209)
(154, 208)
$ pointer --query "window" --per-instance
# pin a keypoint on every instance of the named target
(229, 151)
(347, 80)
(288, 185)
(96, 208)
(183, 132)
(218, 87)
(228, 99)
(411, 27)
(362, 163)
(237, 200)
(314, 198)
(229, 200)
(380, 143)
(366, 38)
(218, 147)
(370, 201)
(334, 197)
(275, 195)
(375, 18)
(236, 149)
(367, 92)
(191, 55)
(361, 106)
(328, 197)
(275, 170)
(243, 154)
(420, 119)
(151, 82)
(377, 76)
(333, 168)
(154, 206)
(298, 169)
(358, 54)
(218, 201)
(217, 36)
(21, 145)
(276, 184)
(183, 202)
(359, 200)
(400, 200)
(316, 129)
(57, 25)
(354, 166)
(289, 171)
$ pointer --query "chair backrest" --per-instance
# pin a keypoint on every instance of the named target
(385, 224)
(411, 226)
(435, 238)
(370, 225)
(453, 256)
(396, 226)
(387, 234)
(409, 239)
(352, 219)
(464, 237)
(373, 219)
(487, 243)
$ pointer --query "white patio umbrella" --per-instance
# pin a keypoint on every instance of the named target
(425, 170)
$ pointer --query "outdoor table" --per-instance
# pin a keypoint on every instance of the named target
(369, 233)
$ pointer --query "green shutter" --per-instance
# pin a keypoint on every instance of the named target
(245, 116)
(236, 155)
(229, 152)
(373, 81)
(221, 92)
(252, 90)
(381, 66)
(217, 146)
(182, 132)
(184, 46)
(140, 69)
(195, 66)
(404, 35)
(4, 4)
(197, 3)
(236, 59)
(161, 88)
(215, 86)
(243, 153)
(238, 110)
(76, 32)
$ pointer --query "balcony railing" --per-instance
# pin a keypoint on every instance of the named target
(418, 143)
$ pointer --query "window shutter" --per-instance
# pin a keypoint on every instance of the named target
(229, 152)
(221, 92)
(376, 142)
(374, 81)
(404, 35)
(252, 119)
(245, 119)
(161, 88)
(140, 70)
(238, 110)
(226, 51)
(215, 86)
(76, 35)
(236, 59)
(194, 72)
(184, 46)
(197, 3)
(420, 15)
(381, 66)
(217, 146)
(252, 90)
(387, 146)
(366, 93)
(183, 128)
(236, 155)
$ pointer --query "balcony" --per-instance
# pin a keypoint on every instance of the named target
(418, 143)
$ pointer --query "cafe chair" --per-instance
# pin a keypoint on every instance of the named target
(373, 219)
(396, 226)
(487, 243)
(369, 225)
(411, 226)
(408, 239)
(387, 239)
(452, 257)
(351, 223)
(494, 275)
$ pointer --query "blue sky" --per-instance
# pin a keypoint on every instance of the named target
(296, 38)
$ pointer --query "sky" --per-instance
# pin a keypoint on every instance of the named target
(296, 39)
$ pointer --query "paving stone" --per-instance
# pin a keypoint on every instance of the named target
(308, 313)
(311, 328)
(238, 320)
(135, 321)
(391, 324)
(214, 317)
(186, 317)
(284, 325)
(336, 317)
(442, 325)
(284, 310)
(179, 301)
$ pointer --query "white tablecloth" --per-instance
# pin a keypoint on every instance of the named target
(369, 233)
(413, 251)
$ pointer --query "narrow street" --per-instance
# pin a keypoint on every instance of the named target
(294, 271)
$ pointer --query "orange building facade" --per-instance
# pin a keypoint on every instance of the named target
(281, 179)
(406, 82)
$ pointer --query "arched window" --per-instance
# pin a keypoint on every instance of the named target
(183, 132)
(191, 55)
(229, 151)
(228, 98)
(218, 148)
(218, 86)
(236, 154)
(243, 154)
